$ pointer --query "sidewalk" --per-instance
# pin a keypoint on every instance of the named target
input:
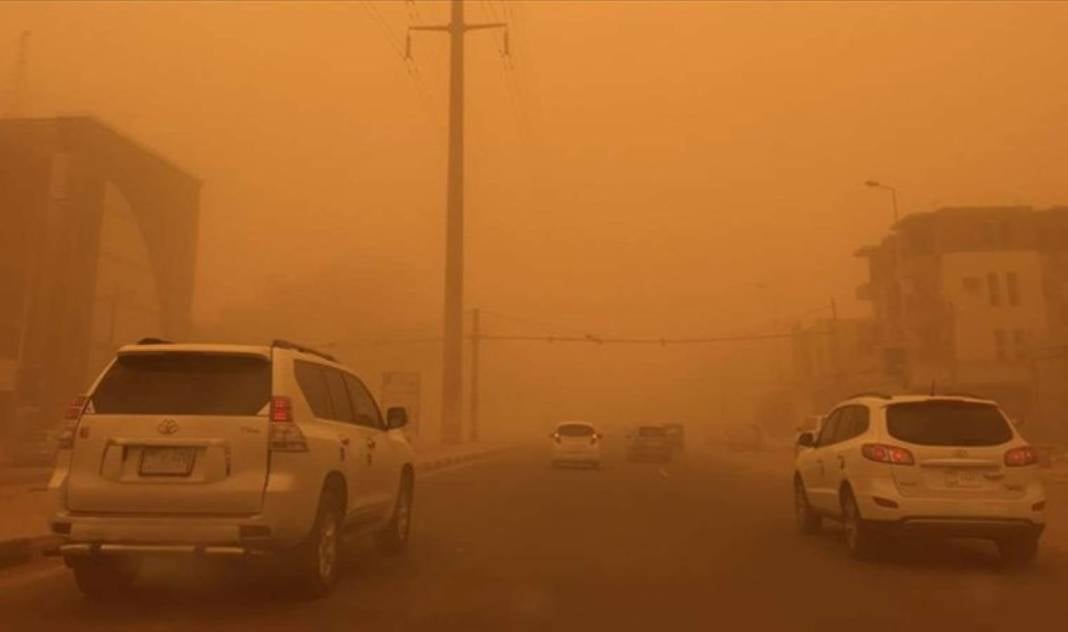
(25, 504)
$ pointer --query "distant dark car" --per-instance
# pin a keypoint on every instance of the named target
(649, 443)
(676, 435)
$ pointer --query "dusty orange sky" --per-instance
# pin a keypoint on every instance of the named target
(646, 168)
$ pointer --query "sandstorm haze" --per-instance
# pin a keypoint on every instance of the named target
(636, 169)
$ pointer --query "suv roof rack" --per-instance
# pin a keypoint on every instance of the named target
(154, 341)
(871, 394)
(963, 394)
(286, 344)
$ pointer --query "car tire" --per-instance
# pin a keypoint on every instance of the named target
(861, 542)
(1018, 551)
(393, 539)
(319, 556)
(105, 578)
(808, 521)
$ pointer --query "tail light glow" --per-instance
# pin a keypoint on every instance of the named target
(883, 453)
(284, 434)
(1019, 457)
(281, 409)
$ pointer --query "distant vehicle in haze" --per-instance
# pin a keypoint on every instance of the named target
(649, 443)
(576, 443)
(745, 437)
(921, 465)
(676, 434)
(228, 451)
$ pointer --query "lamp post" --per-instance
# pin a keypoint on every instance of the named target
(901, 329)
(893, 193)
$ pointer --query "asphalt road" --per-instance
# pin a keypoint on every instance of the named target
(510, 544)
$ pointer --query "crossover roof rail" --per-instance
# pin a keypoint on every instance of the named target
(154, 341)
(871, 394)
(286, 344)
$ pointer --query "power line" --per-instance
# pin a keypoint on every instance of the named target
(410, 65)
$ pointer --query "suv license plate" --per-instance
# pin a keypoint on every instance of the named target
(167, 461)
(963, 478)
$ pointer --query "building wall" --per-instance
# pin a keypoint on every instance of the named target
(1000, 312)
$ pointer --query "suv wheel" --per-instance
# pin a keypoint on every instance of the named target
(1019, 550)
(104, 578)
(394, 537)
(861, 541)
(317, 559)
(808, 521)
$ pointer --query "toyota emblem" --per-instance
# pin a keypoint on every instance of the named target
(167, 427)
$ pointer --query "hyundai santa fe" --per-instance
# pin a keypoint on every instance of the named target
(921, 465)
(224, 450)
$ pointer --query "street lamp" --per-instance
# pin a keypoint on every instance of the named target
(893, 193)
(901, 327)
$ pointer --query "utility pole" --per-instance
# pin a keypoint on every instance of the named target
(476, 339)
(452, 360)
(20, 88)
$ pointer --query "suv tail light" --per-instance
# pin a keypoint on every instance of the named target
(883, 453)
(593, 439)
(1018, 457)
(556, 437)
(284, 434)
(71, 416)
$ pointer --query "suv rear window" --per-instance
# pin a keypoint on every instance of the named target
(184, 384)
(574, 430)
(651, 431)
(947, 423)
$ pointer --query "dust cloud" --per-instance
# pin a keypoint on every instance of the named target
(641, 169)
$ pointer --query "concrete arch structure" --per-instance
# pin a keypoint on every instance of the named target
(54, 174)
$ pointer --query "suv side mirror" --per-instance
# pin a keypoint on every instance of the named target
(396, 417)
(806, 440)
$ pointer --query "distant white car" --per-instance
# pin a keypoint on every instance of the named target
(576, 443)
(921, 465)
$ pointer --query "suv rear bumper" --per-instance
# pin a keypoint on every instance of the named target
(87, 534)
(84, 549)
(958, 527)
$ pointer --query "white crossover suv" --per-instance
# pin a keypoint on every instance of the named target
(576, 443)
(921, 465)
(225, 450)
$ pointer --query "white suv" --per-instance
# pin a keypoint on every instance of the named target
(226, 450)
(924, 465)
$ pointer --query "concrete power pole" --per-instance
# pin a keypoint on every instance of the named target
(452, 360)
(476, 340)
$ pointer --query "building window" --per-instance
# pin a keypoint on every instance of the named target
(973, 285)
(1000, 343)
(994, 287)
(1019, 340)
(1012, 288)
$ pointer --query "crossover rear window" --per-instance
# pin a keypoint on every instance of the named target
(651, 431)
(176, 383)
(947, 423)
(575, 430)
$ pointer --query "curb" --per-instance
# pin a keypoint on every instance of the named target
(21, 550)
(456, 459)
